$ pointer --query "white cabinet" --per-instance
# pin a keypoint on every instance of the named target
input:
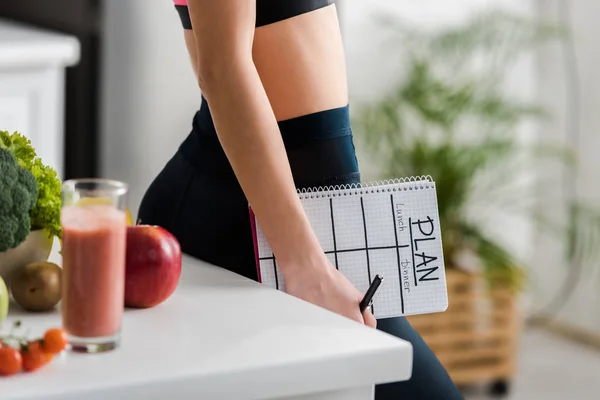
(32, 82)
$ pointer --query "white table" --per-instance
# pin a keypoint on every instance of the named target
(32, 85)
(221, 336)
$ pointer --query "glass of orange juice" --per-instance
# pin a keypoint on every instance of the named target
(94, 234)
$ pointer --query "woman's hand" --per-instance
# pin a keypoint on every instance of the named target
(321, 284)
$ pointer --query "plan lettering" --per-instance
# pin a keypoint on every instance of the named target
(426, 266)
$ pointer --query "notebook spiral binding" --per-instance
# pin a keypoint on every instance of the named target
(386, 185)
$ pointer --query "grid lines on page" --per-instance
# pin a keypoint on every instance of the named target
(388, 231)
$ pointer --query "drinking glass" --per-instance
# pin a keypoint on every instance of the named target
(94, 234)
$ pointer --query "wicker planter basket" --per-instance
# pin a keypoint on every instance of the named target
(476, 338)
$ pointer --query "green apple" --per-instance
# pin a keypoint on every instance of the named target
(3, 300)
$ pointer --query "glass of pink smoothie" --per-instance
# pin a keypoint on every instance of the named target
(94, 232)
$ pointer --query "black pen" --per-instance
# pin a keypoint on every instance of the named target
(368, 298)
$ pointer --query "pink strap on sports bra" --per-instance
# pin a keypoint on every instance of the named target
(180, 2)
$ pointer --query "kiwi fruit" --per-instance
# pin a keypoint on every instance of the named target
(37, 286)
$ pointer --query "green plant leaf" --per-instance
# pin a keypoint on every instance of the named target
(496, 261)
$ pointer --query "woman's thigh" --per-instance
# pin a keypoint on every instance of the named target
(429, 380)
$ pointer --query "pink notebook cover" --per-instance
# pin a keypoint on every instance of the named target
(255, 240)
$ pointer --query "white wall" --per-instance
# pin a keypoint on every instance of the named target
(149, 93)
(583, 310)
(373, 64)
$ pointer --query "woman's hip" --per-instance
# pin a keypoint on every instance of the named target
(320, 148)
(198, 198)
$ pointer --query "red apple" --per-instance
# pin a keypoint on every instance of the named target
(153, 266)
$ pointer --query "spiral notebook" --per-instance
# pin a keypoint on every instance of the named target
(389, 228)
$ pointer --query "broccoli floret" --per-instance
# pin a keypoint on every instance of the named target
(8, 228)
(18, 196)
(46, 213)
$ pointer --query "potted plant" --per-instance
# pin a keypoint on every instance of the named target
(448, 117)
(27, 237)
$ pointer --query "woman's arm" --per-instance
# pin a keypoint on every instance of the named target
(249, 134)
(246, 126)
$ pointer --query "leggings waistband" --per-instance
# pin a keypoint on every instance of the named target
(319, 146)
(295, 132)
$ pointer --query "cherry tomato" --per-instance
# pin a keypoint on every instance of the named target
(34, 345)
(34, 357)
(55, 341)
(11, 361)
(39, 346)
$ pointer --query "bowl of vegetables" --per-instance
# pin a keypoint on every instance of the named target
(30, 202)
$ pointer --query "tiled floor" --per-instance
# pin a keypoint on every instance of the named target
(552, 368)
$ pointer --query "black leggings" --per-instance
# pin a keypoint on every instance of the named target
(198, 199)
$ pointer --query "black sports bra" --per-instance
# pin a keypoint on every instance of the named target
(267, 11)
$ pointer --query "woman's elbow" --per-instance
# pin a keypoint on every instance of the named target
(203, 81)
(207, 78)
(215, 72)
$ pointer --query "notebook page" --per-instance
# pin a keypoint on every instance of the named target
(391, 230)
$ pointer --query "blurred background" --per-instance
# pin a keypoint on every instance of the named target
(495, 99)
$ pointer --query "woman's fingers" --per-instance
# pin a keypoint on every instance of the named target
(369, 319)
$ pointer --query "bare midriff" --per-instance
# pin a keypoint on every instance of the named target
(301, 63)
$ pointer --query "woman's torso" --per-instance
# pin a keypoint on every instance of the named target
(301, 64)
(298, 54)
